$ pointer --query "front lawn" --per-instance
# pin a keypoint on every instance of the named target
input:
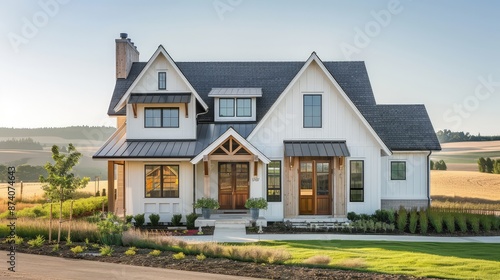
(441, 260)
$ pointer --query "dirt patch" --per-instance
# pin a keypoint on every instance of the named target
(465, 184)
(209, 265)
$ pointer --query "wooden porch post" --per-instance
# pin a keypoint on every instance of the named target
(206, 176)
(111, 186)
(340, 188)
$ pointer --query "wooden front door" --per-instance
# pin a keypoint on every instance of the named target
(233, 185)
(315, 194)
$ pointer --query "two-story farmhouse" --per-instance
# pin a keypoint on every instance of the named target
(306, 135)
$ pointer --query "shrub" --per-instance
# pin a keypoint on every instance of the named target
(318, 260)
(461, 222)
(106, 250)
(18, 240)
(139, 220)
(155, 253)
(402, 219)
(154, 218)
(179, 256)
(473, 222)
(258, 203)
(190, 219)
(383, 215)
(77, 250)
(423, 221)
(130, 252)
(176, 219)
(436, 220)
(449, 221)
(391, 216)
(352, 216)
(103, 192)
(37, 242)
(111, 230)
(68, 241)
(496, 221)
(55, 248)
(128, 219)
(485, 222)
(207, 202)
(200, 257)
(413, 221)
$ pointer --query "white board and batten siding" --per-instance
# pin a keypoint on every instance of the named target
(137, 203)
(149, 84)
(415, 185)
(339, 122)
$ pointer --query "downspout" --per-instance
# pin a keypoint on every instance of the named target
(194, 186)
(429, 179)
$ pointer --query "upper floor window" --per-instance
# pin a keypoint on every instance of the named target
(162, 80)
(226, 107)
(312, 110)
(161, 117)
(398, 170)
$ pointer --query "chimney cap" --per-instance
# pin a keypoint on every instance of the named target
(123, 35)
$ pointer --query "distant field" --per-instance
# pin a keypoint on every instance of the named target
(463, 156)
(33, 191)
(465, 184)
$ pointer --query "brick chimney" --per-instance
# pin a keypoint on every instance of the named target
(126, 54)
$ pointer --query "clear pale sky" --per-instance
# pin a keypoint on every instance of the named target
(57, 60)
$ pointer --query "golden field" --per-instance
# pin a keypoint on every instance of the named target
(465, 184)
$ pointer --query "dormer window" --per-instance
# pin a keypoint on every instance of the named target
(162, 80)
(235, 104)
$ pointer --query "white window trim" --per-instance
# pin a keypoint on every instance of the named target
(218, 118)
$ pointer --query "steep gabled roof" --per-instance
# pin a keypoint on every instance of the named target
(401, 127)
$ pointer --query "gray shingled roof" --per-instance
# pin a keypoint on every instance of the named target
(401, 127)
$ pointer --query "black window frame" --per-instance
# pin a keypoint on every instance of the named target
(161, 167)
(403, 170)
(162, 81)
(304, 116)
(234, 107)
(351, 189)
(162, 109)
(274, 197)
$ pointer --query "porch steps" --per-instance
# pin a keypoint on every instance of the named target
(230, 227)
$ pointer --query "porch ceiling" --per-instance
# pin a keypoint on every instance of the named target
(316, 149)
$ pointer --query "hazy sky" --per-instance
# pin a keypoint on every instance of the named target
(57, 60)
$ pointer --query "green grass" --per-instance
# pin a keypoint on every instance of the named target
(441, 260)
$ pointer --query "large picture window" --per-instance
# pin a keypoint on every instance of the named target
(357, 184)
(162, 181)
(162, 80)
(161, 117)
(398, 170)
(274, 181)
(312, 110)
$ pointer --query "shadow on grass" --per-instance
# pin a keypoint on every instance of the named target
(480, 251)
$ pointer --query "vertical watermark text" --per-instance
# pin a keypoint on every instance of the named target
(11, 218)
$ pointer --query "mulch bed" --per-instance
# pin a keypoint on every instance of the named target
(209, 265)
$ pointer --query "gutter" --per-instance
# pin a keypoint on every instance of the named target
(194, 186)
(429, 179)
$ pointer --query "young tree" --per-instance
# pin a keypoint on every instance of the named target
(432, 165)
(489, 165)
(496, 168)
(481, 164)
(60, 182)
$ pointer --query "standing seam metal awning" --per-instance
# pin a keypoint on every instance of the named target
(159, 98)
(316, 149)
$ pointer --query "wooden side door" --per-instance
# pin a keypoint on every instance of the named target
(306, 188)
(315, 192)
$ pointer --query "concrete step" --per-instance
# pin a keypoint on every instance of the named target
(231, 224)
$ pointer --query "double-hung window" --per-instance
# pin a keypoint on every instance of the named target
(162, 80)
(312, 110)
(398, 170)
(161, 117)
(274, 181)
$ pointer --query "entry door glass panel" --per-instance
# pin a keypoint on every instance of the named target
(233, 185)
(242, 177)
(225, 178)
(322, 175)
(306, 178)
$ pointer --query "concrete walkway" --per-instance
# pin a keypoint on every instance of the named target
(240, 236)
